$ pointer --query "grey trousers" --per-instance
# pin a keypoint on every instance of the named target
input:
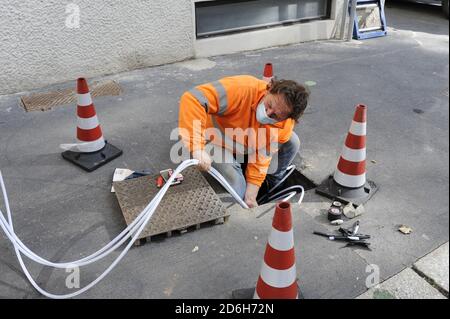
(232, 172)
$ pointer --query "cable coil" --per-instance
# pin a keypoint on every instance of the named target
(131, 232)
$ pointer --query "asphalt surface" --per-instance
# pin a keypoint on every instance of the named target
(63, 213)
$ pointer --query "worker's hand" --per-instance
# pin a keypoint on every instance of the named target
(250, 195)
(204, 160)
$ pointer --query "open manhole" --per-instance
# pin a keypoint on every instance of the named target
(193, 204)
(297, 178)
(294, 179)
(48, 100)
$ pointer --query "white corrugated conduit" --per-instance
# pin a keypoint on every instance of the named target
(130, 233)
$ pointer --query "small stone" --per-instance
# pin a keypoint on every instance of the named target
(195, 249)
(373, 161)
(337, 222)
(256, 237)
(405, 229)
(349, 211)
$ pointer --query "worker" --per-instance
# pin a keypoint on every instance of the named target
(242, 118)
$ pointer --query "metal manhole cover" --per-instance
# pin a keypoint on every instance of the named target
(45, 101)
(191, 203)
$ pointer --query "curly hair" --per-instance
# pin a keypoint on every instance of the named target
(296, 95)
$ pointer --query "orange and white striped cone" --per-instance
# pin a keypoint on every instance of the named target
(268, 72)
(278, 276)
(91, 151)
(89, 133)
(351, 168)
(349, 180)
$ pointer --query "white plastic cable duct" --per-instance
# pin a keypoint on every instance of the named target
(130, 233)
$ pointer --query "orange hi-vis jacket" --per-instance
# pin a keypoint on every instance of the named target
(224, 113)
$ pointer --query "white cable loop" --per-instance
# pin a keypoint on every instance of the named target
(130, 233)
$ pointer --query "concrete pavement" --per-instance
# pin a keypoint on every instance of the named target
(434, 267)
(426, 279)
(64, 213)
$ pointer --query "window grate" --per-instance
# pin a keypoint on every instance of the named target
(214, 18)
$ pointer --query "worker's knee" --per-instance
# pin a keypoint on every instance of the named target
(294, 143)
(233, 175)
(239, 184)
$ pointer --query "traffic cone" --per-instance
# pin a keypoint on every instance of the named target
(268, 72)
(278, 276)
(349, 180)
(91, 151)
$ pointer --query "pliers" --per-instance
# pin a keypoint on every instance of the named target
(349, 235)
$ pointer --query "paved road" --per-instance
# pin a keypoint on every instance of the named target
(64, 213)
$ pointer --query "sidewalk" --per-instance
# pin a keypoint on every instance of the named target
(426, 279)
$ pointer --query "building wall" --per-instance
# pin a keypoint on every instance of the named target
(41, 42)
(37, 48)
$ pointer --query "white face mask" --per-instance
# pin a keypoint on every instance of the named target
(261, 115)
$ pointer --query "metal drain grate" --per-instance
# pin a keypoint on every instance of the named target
(190, 203)
(46, 101)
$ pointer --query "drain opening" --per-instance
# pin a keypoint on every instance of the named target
(296, 178)
(46, 101)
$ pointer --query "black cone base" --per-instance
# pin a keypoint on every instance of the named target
(329, 188)
(248, 293)
(91, 161)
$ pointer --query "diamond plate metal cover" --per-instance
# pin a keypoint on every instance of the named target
(190, 203)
